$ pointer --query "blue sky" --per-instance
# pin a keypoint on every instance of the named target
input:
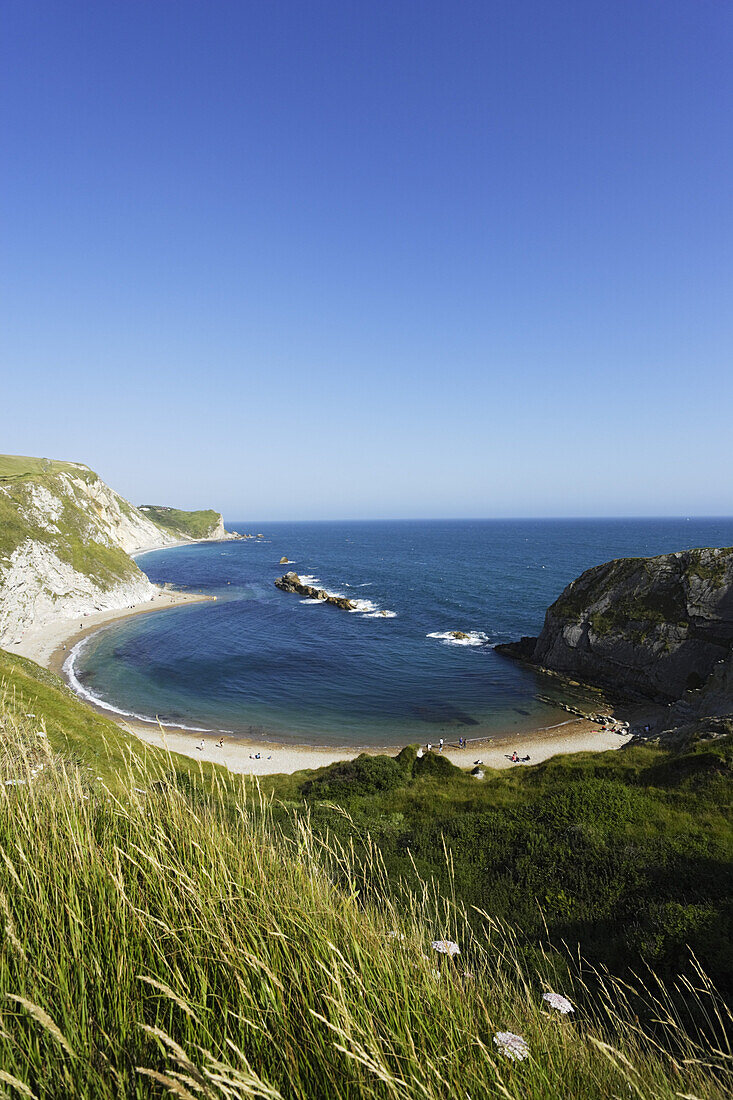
(385, 259)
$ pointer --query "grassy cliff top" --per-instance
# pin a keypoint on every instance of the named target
(15, 468)
(195, 525)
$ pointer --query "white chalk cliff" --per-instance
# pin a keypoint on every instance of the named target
(65, 541)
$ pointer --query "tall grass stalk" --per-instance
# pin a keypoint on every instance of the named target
(173, 941)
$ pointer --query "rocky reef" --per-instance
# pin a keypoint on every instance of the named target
(291, 582)
(654, 628)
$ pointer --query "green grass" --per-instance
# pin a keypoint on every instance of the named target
(170, 929)
(173, 939)
(626, 853)
(15, 467)
(195, 525)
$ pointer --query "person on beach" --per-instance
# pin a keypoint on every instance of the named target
(430, 747)
(515, 757)
(440, 745)
(200, 745)
(220, 743)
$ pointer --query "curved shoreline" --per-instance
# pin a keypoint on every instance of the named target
(51, 645)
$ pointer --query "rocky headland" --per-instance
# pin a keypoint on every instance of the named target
(291, 582)
(66, 540)
(657, 629)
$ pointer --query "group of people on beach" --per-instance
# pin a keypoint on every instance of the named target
(462, 744)
(202, 743)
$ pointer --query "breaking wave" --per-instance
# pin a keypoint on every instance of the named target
(471, 637)
(69, 667)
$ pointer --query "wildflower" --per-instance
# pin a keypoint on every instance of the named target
(446, 947)
(555, 1000)
(396, 935)
(513, 1046)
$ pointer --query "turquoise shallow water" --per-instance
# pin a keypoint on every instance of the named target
(262, 663)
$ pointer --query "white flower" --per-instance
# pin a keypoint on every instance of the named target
(396, 935)
(513, 1046)
(446, 947)
(555, 1000)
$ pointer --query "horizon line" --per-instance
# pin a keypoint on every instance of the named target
(491, 519)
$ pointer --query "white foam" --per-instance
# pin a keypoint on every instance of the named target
(366, 608)
(314, 603)
(362, 607)
(79, 689)
(473, 637)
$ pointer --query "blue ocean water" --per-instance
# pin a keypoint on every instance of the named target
(264, 664)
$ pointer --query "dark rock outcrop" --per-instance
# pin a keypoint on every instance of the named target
(291, 582)
(661, 628)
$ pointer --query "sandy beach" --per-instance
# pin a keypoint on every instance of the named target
(576, 735)
(49, 645)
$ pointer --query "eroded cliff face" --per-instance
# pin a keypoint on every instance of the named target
(656, 627)
(65, 538)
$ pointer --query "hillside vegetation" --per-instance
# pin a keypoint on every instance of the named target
(626, 853)
(193, 525)
(170, 930)
(171, 939)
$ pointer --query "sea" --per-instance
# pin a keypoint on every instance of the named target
(266, 665)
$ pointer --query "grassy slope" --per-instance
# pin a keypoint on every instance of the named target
(195, 525)
(170, 938)
(626, 852)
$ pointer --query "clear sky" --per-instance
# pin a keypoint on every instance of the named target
(387, 258)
